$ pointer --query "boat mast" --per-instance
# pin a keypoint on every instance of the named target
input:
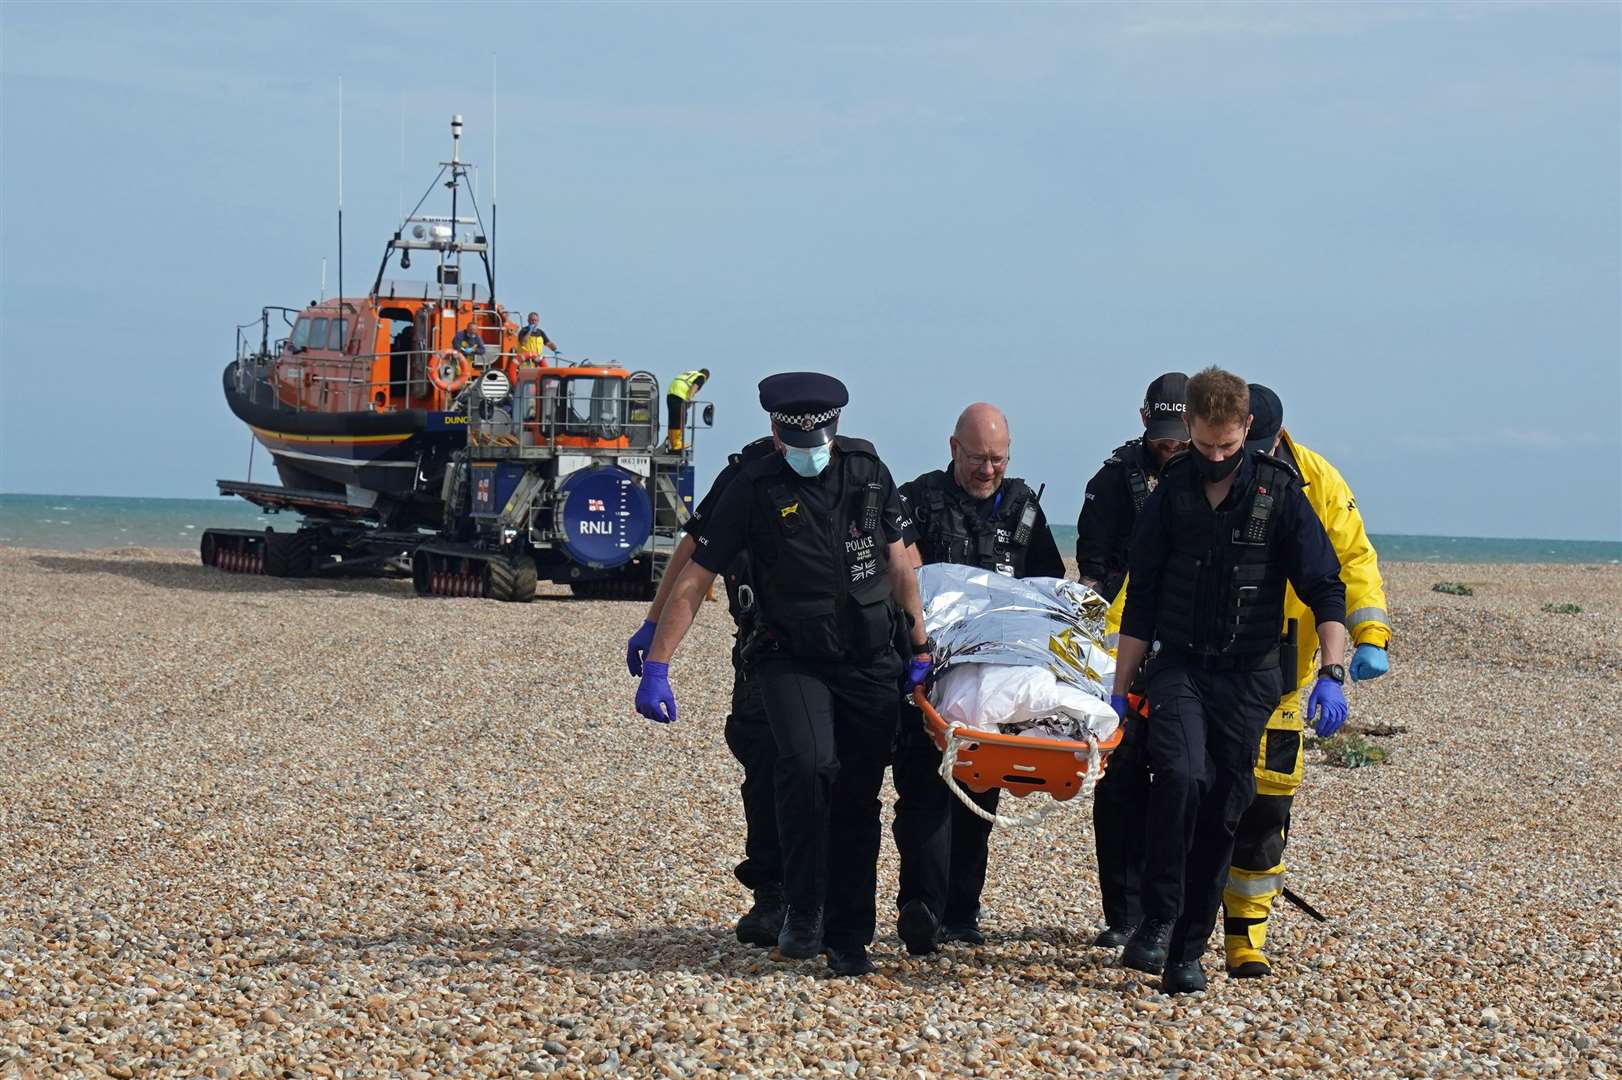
(341, 205)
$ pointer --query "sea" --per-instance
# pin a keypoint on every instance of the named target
(92, 522)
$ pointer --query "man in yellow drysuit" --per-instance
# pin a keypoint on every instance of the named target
(1256, 877)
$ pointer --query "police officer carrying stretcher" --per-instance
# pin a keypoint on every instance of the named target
(746, 731)
(1215, 545)
(972, 514)
(1256, 878)
(1115, 494)
(822, 525)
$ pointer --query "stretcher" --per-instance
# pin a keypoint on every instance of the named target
(1020, 764)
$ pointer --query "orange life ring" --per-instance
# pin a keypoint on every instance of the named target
(450, 372)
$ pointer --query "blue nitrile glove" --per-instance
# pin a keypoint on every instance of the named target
(654, 698)
(1368, 662)
(1119, 703)
(638, 646)
(917, 672)
(1328, 703)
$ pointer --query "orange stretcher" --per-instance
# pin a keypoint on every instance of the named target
(1019, 764)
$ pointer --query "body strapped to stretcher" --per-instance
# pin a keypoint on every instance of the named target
(1020, 695)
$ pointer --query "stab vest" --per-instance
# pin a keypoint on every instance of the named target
(957, 533)
(740, 589)
(1222, 589)
(1129, 456)
(821, 581)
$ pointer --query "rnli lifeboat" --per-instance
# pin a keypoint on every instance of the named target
(358, 397)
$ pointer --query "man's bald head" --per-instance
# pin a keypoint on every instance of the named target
(980, 445)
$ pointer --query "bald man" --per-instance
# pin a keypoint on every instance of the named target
(971, 513)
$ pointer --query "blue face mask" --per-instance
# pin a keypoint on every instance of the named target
(808, 463)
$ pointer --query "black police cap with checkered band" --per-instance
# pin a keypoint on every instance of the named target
(804, 406)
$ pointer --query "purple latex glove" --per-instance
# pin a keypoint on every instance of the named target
(1119, 703)
(1327, 703)
(654, 698)
(917, 672)
(638, 647)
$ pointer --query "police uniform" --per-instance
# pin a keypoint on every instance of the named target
(943, 847)
(1207, 587)
(1115, 494)
(822, 653)
(1109, 508)
(747, 734)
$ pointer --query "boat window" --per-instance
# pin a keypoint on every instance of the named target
(318, 334)
(338, 334)
(301, 333)
(596, 406)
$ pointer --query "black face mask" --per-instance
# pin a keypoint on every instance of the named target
(1213, 471)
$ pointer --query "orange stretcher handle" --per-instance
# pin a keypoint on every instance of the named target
(1020, 763)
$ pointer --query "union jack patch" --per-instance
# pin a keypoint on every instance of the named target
(596, 505)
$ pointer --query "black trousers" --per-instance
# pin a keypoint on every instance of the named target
(1201, 741)
(833, 724)
(749, 737)
(1121, 827)
(943, 847)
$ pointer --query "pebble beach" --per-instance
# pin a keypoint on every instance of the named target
(254, 827)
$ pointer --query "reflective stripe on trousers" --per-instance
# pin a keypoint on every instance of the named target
(1241, 883)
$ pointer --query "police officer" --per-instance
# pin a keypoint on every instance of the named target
(1256, 877)
(1116, 492)
(746, 732)
(821, 522)
(1109, 509)
(969, 513)
(1215, 545)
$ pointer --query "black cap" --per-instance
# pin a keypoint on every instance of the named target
(804, 406)
(1164, 405)
(1266, 418)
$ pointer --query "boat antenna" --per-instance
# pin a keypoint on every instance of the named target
(341, 202)
(399, 196)
(494, 144)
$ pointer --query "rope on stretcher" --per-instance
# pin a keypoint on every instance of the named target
(1043, 809)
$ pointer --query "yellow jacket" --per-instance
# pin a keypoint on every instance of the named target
(1331, 499)
(684, 385)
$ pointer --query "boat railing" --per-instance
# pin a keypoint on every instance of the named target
(298, 384)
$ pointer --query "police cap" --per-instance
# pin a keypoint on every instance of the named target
(1266, 418)
(1164, 411)
(804, 406)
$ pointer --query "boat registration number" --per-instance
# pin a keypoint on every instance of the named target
(640, 464)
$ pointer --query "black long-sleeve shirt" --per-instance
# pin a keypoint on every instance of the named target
(1301, 545)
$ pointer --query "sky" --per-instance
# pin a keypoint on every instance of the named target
(1406, 219)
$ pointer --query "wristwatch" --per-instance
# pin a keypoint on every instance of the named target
(926, 649)
(1333, 671)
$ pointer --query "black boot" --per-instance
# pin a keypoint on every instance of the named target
(967, 933)
(762, 923)
(1183, 977)
(1146, 948)
(801, 936)
(849, 961)
(918, 927)
(1115, 936)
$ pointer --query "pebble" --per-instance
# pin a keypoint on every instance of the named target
(295, 826)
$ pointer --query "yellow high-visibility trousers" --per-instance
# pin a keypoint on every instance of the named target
(1256, 877)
